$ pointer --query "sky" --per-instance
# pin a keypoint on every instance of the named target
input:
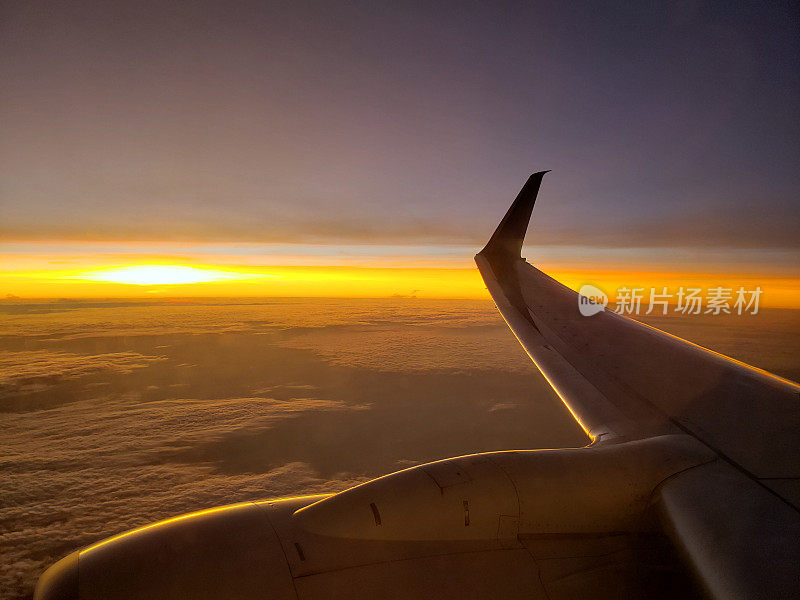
(360, 142)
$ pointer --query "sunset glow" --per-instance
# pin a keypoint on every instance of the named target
(163, 275)
(43, 280)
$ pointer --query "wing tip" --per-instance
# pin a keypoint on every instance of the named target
(506, 241)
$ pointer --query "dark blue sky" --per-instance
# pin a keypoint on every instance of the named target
(664, 124)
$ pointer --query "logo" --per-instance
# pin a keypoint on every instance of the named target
(591, 300)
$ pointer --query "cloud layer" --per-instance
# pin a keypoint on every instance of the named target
(36, 370)
(116, 414)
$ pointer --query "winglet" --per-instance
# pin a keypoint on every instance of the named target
(506, 242)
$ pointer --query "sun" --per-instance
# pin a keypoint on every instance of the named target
(163, 275)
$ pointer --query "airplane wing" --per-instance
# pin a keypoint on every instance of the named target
(689, 446)
(622, 379)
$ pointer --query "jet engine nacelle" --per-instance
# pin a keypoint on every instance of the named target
(461, 527)
(500, 495)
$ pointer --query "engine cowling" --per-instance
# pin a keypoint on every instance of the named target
(501, 524)
(227, 552)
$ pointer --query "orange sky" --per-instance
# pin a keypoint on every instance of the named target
(280, 158)
(92, 273)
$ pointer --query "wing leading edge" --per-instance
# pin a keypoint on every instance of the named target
(622, 379)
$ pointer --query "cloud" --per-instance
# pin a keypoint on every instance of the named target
(98, 469)
(416, 348)
(125, 432)
(105, 501)
(36, 370)
(503, 406)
